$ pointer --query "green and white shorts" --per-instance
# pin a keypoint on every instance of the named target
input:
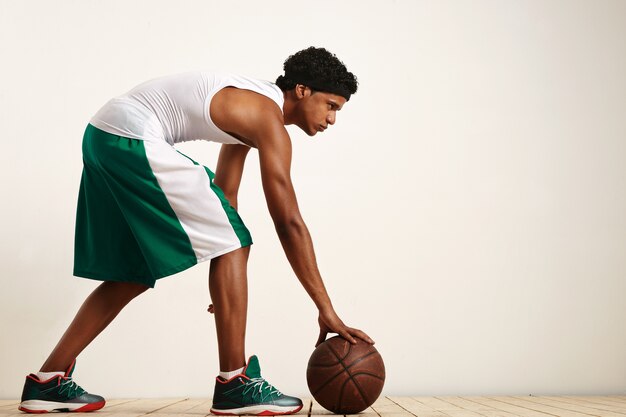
(146, 211)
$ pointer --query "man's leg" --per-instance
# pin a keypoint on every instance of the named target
(250, 394)
(98, 310)
(228, 285)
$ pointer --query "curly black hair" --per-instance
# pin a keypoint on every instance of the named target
(319, 70)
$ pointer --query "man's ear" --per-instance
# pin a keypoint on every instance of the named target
(302, 91)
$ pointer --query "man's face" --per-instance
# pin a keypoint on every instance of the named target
(318, 110)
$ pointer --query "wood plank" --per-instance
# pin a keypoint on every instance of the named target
(416, 408)
(463, 413)
(318, 410)
(459, 411)
(9, 407)
(437, 403)
(617, 398)
(497, 413)
(574, 406)
(306, 406)
(484, 407)
(143, 406)
(173, 414)
(116, 407)
(118, 401)
(467, 404)
(497, 403)
(448, 406)
(385, 407)
(182, 407)
(201, 409)
(518, 401)
(368, 412)
(393, 414)
(382, 401)
(474, 408)
(548, 409)
(603, 405)
(613, 401)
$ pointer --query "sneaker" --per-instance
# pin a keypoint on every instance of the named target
(59, 393)
(249, 393)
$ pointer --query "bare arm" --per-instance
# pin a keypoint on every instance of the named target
(258, 122)
(230, 169)
(275, 160)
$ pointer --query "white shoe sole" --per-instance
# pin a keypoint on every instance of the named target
(258, 410)
(39, 406)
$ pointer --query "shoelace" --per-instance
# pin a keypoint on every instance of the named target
(72, 389)
(262, 384)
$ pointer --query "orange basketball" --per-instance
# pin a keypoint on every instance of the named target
(345, 378)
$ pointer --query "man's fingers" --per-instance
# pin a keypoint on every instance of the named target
(321, 338)
(361, 335)
(346, 335)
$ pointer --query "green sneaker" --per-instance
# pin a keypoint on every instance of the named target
(59, 393)
(249, 393)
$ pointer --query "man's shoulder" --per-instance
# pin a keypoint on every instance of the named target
(245, 112)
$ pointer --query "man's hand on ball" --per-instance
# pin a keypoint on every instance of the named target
(330, 322)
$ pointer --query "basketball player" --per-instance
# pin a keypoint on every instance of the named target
(146, 211)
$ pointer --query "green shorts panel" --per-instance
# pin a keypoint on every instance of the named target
(126, 229)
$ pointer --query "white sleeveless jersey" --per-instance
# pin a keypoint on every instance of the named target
(176, 108)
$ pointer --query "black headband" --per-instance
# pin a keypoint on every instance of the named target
(320, 85)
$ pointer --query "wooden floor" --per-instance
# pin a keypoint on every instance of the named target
(527, 406)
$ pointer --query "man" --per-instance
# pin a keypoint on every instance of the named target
(146, 211)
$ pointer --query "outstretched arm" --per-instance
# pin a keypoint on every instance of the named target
(259, 122)
(275, 161)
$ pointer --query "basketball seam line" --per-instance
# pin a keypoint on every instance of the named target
(368, 374)
(348, 371)
(343, 387)
(345, 368)
(337, 374)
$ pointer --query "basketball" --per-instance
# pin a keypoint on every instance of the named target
(345, 378)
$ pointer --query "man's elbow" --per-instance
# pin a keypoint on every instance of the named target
(290, 227)
(231, 198)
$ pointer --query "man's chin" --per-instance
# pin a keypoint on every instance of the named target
(310, 131)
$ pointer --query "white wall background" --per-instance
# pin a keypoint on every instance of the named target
(468, 209)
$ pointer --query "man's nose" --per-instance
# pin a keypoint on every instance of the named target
(331, 118)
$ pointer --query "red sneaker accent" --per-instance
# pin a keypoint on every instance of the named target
(26, 410)
(90, 407)
(273, 413)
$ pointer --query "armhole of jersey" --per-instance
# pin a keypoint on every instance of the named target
(207, 106)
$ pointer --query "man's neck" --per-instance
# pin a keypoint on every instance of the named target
(288, 107)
